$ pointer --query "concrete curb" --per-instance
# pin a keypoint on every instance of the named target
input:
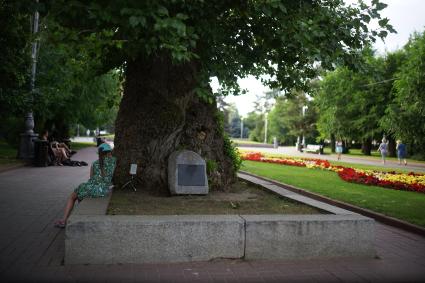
(363, 211)
(91, 237)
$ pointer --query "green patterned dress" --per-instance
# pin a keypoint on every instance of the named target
(97, 186)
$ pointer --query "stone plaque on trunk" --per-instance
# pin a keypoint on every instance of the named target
(187, 173)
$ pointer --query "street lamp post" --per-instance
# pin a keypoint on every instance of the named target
(305, 107)
(26, 147)
(241, 127)
(265, 129)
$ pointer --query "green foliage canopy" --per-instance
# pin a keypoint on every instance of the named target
(228, 39)
(69, 89)
(406, 111)
(288, 121)
(14, 58)
(352, 102)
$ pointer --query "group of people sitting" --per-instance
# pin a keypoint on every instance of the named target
(59, 153)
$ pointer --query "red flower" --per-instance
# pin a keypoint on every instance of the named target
(347, 174)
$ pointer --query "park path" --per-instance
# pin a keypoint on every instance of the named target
(32, 250)
(291, 151)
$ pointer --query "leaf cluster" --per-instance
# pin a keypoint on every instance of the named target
(230, 39)
(385, 96)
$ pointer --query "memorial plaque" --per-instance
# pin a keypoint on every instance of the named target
(191, 175)
(187, 173)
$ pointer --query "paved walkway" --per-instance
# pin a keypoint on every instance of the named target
(32, 250)
(291, 151)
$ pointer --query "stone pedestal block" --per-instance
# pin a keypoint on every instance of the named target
(150, 239)
(187, 174)
(308, 236)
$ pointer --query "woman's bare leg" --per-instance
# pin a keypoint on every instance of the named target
(63, 154)
(69, 206)
(67, 150)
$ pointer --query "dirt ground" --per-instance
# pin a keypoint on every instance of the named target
(243, 198)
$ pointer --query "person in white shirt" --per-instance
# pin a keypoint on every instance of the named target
(383, 149)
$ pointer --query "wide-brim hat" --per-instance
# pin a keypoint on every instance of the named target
(104, 147)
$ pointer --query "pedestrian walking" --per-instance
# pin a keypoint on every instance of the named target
(383, 149)
(401, 152)
(338, 148)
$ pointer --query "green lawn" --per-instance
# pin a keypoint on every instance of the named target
(8, 155)
(354, 152)
(358, 152)
(346, 164)
(109, 136)
(408, 206)
(6, 151)
(244, 141)
(371, 167)
(80, 145)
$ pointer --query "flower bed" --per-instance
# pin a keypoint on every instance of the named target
(392, 180)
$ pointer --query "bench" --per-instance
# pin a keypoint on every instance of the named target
(315, 148)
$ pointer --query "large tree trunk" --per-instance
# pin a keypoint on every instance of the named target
(333, 140)
(367, 146)
(160, 113)
(392, 152)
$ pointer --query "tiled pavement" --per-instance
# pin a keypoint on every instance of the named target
(32, 250)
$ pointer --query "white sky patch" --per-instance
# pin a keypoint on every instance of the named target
(406, 16)
(244, 102)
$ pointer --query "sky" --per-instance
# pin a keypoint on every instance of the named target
(406, 16)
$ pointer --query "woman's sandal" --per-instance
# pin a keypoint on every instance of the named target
(60, 224)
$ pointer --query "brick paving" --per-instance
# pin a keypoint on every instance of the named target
(32, 250)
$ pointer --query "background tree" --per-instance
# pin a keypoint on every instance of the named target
(258, 132)
(335, 113)
(254, 123)
(278, 127)
(15, 35)
(392, 63)
(288, 121)
(406, 112)
(256, 119)
(352, 102)
(169, 51)
(68, 89)
(232, 121)
(370, 97)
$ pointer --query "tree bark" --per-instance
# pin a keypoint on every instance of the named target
(159, 114)
(367, 146)
(345, 147)
(333, 140)
(392, 152)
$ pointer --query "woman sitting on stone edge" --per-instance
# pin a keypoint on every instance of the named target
(98, 185)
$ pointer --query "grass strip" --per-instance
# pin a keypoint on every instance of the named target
(244, 141)
(376, 156)
(341, 163)
(8, 156)
(80, 145)
(403, 205)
